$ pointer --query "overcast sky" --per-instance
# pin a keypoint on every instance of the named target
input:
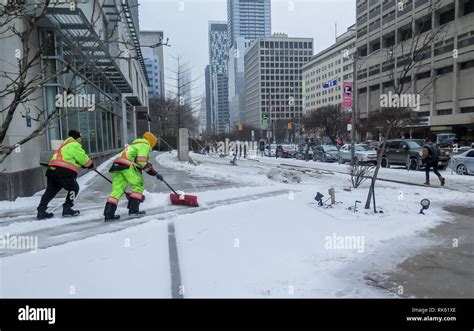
(185, 23)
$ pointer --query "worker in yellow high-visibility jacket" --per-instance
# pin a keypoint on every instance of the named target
(127, 170)
(62, 173)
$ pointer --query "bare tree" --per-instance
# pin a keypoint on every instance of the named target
(359, 173)
(186, 108)
(331, 120)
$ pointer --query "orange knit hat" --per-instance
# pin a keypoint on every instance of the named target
(150, 137)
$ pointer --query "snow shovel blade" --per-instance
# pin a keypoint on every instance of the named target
(188, 200)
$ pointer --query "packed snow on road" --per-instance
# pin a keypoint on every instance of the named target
(265, 236)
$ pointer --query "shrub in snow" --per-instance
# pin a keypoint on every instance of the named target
(360, 173)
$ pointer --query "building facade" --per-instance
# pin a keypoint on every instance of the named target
(207, 75)
(154, 61)
(77, 61)
(442, 74)
(324, 74)
(247, 20)
(202, 115)
(218, 75)
(273, 76)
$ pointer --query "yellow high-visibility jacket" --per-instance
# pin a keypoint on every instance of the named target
(135, 154)
(71, 155)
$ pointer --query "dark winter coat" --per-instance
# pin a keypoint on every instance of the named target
(430, 153)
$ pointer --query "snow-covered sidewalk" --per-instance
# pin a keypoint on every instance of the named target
(396, 173)
(265, 238)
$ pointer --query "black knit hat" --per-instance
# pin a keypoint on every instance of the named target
(74, 134)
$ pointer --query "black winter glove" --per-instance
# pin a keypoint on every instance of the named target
(150, 170)
(91, 166)
(159, 177)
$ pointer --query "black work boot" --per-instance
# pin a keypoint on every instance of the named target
(109, 212)
(134, 208)
(43, 214)
(69, 212)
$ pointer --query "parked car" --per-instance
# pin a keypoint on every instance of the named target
(446, 139)
(326, 153)
(463, 164)
(285, 151)
(362, 153)
(372, 144)
(408, 152)
(270, 150)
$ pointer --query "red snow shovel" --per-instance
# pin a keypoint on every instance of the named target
(182, 200)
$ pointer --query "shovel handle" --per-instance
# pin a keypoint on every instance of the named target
(170, 188)
(101, 175)
(127, 194)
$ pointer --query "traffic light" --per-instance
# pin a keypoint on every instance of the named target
(302, 128)
(241, 126)
(290, 126)
(265, 116)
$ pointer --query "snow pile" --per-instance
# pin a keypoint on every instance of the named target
(284, 176)
(207, 168)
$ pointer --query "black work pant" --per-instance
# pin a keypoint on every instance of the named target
(433, 165)
(55, 183)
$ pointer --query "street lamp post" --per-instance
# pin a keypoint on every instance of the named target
(272, 118)
(354, 108)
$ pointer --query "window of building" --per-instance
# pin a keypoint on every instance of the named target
(444, 70)
(446, 17)
(423, 75)
(468, 7)
(467, 65)
(445, 111)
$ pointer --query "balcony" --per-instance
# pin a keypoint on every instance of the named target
(374, 26)
(375, 70)
(374, 13)
(362, 8)
(419, 3)
(361, 33)
(388, 5)
(389, 18)
(362, 20)
(443, 49)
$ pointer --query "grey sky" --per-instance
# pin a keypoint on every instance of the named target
(185, 23)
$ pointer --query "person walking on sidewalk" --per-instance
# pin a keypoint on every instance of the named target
(430, 158)
(127, 170)
(62, 174)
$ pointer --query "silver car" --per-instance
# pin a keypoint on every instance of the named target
(362, 153)
(463, 164)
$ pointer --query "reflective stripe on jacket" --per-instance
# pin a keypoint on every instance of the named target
(135, 154)
(71, 155)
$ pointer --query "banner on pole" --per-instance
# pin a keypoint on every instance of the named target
(347, 97)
